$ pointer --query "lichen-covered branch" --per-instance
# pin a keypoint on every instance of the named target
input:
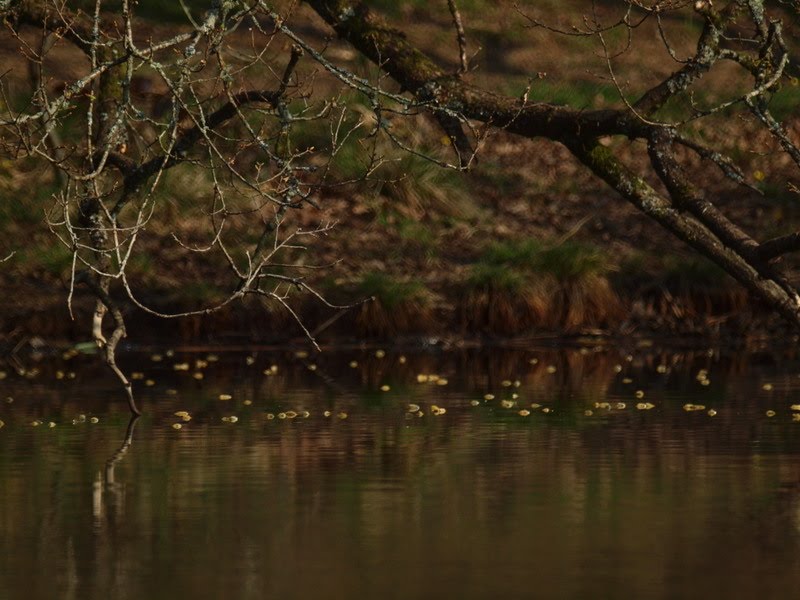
(687, 214)
(145, 105)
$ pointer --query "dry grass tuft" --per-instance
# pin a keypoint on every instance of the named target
(517, 286)
(398, 307)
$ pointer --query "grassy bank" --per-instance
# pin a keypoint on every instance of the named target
(525, 242)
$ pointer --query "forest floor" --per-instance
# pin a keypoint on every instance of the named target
(527, 242)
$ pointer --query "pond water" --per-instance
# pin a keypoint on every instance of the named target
(619, 483)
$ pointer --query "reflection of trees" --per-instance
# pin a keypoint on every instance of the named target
(110, 561)
(108, 495)
(461, 500)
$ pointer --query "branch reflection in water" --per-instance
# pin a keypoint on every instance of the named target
(594, 496)
(108, 495)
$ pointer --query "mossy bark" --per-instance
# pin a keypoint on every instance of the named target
(707, 230)
(637, 191)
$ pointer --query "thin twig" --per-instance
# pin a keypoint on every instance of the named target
(460, 36)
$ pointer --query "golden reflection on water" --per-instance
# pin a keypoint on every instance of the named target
(357, 496)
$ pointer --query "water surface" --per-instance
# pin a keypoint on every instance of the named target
(579, 501)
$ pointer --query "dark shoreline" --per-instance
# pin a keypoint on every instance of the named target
(146, 333)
